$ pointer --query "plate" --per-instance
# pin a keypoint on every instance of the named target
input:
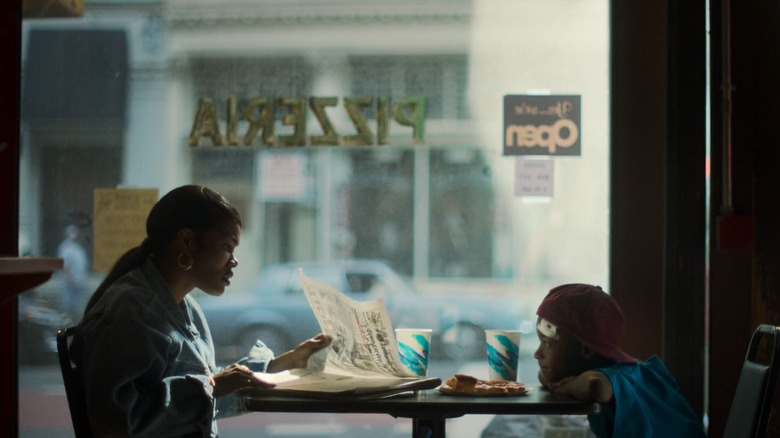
(449, 391)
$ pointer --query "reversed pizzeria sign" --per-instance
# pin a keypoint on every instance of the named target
(542, 125)
(260, 115)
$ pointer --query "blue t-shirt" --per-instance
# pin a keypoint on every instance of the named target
(647, 403)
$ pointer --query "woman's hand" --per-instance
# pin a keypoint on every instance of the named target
(298, 357)
(236, 377)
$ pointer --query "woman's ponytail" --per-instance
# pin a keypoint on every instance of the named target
(130, 260)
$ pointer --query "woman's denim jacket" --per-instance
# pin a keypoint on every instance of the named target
(146, 362)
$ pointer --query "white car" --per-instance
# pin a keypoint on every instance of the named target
(276, 311)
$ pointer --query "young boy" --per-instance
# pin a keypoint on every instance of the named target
(579, 329)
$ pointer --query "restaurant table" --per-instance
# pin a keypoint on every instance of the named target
(18, 274)
(429, 409)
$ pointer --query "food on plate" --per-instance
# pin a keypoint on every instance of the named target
(464, 383)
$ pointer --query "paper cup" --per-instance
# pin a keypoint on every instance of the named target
(503, 351)
(413, 347)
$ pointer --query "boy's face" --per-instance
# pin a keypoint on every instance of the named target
(559, 358)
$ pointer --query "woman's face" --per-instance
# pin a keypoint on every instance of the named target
(559, 358)
(214, 260)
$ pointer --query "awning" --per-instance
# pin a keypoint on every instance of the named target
(74, 75)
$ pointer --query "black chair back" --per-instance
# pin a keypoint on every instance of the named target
(74, 389)
(753, 397)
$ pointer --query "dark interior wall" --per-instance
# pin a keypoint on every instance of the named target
(685, 225)
(745, 255)
(656, 118)
(658, 189)
(638, 129)
(756, 79)
(730, 256)
(10, 78)
(10, 53)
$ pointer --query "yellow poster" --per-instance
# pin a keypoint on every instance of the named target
(120, 223)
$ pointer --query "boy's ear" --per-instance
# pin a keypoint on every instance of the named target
(587, 353)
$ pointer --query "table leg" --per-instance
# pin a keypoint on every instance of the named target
(428, 427)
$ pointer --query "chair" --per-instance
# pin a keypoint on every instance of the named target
(74, 390)
(754, 395)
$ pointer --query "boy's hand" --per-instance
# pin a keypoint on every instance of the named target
(592, 386)
(561, 384)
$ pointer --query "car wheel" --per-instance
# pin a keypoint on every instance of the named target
(464, 341)
(272, 337)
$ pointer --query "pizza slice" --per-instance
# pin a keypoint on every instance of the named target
(466, 384)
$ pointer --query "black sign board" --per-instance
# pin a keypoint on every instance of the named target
(542, 125)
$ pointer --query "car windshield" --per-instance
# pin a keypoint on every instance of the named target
(403, 281)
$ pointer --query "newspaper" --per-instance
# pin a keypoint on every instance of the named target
(363, 356)
(363, 337)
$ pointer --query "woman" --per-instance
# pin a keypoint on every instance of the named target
(144, 347)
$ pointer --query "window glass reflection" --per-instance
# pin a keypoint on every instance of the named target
(426, 214)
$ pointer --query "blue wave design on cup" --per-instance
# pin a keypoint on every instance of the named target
(504, 363)
(411, 358)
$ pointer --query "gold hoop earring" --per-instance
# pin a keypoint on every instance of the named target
(187, 264)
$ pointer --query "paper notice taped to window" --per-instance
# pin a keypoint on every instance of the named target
(534, 177)
(120, 223)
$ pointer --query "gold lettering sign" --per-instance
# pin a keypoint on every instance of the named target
(260, 115)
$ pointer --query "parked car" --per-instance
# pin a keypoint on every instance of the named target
(276, 310)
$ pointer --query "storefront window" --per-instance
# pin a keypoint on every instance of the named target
(370, 131)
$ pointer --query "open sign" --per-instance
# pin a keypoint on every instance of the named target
(542, 125)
